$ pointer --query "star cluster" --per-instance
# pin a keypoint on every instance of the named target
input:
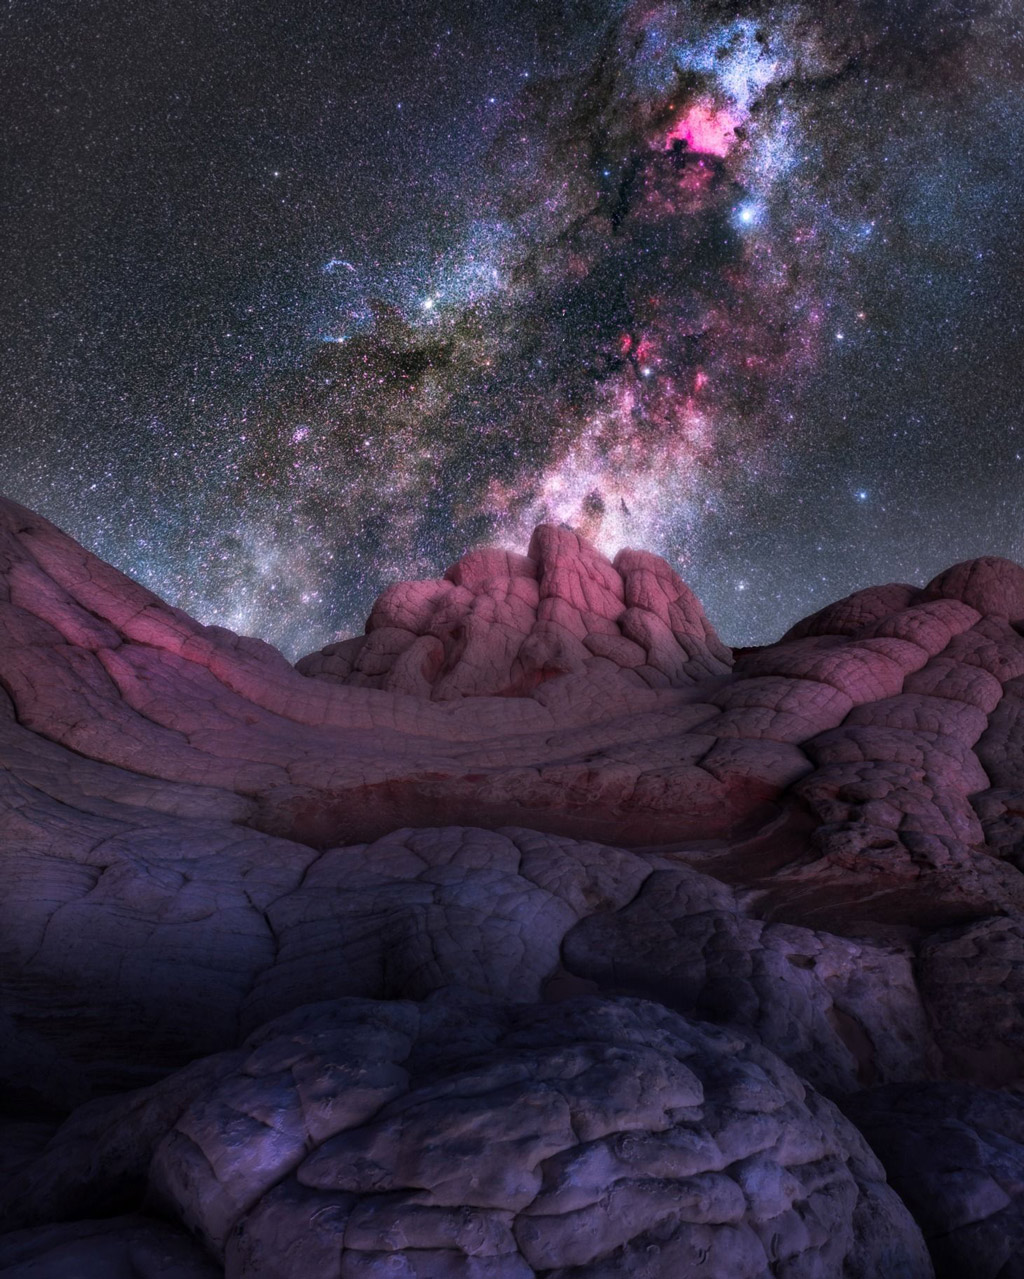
(303, 301)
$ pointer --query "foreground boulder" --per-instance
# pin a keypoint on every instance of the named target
(956, 1156)
(464, 1137)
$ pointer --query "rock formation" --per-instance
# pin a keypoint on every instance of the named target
(529, 933)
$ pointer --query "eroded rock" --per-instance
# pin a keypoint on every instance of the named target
(460, 1136)
(955, 1154)
(537, 778)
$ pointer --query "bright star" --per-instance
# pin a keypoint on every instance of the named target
(750, 214)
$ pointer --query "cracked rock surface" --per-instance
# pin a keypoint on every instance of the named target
(462, 1136)
(490, 869)
(956, 1156)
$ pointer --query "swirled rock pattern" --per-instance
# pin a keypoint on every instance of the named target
(541, 781)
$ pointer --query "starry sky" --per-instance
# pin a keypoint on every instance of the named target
(300, 299)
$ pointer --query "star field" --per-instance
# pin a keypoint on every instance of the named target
(301, 300)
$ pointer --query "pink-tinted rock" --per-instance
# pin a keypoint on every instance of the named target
(1001, 747)
(586, 738)
(1001, 813)
(990, 585)
(856, 611)
(506, 623)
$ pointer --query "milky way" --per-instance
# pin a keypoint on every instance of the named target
(305, 303)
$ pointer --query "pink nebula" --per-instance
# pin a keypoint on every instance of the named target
(705, 128)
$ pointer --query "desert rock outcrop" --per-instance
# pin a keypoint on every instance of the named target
(540, 824)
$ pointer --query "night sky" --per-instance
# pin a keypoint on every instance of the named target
(302, 298)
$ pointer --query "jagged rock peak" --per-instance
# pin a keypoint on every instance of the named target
(499, 624)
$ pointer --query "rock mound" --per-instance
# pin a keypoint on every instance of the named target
(463, 1137)
(500, 624)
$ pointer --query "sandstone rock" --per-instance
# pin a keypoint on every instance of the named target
(972, 981)
(167, 941)
(850, 615)
(176, 945)
(955, 1154)
(464, 1137)
(96, 1163)
(536, 778)
(990, 584)
(620, 719)
(500, 624)
(842, 1014)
